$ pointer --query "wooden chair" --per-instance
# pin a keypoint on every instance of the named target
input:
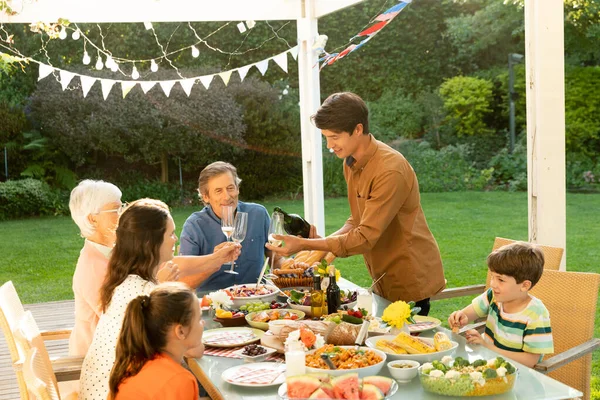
(552, 259)
(28, 337)
(39, 378)
(204, 380)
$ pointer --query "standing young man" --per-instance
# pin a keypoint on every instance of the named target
(387, 225)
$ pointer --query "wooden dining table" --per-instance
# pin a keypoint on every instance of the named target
(530, 384)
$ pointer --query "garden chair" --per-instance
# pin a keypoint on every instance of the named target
(39, 378)
(552, 259)
(204, 381)
(28, 337)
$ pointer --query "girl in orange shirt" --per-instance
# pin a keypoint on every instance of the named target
(157, 331)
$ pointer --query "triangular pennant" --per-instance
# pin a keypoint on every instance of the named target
(243, 71)
(126, 87)
(167, 86)
(86, 83)
(187, 84)
(226, 75)
(206, 80)
(107, 84)
(147, 85)
(44, 71)
(262, 66)
(65, 78)
(294, 52)
(281, 60)
(373, 29)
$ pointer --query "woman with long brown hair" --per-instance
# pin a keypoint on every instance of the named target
(145, 239)
(158, 329)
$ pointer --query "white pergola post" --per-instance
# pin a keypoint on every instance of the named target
(310, 89)
(544, 62)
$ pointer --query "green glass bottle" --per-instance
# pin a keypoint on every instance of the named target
(333, 293)
(294, 224)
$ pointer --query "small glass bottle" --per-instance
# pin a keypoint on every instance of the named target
(333, 293)
(295, 360)
(317, 298)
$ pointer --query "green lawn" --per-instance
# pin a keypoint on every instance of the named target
(39, 255)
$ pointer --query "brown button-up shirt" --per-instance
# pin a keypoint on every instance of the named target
(389, 227)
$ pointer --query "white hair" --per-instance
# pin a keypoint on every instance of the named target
(88, 198)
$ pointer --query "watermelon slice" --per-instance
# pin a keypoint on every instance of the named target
(301, 386)
(370, 392)
(346, 386)
(322, 376)
(383, 383)
(319, 394)
(327, 388)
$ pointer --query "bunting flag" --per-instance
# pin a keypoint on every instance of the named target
(243, 71)
(206, 80)
(281, 60)
(225, 76)
(65, 78)
(86, 84)
(126, 87)
(187, 85)
(44, 71)
(107, 85)
(147, 85)
(262, 66)
(378, 23)
(167, 86)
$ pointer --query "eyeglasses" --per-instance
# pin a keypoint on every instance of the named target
(119, 210)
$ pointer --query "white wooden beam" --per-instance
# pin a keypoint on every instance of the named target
(310, 100)
(99, 11)
(325, 7)
(544, 62)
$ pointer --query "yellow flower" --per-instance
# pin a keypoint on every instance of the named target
(396, 314)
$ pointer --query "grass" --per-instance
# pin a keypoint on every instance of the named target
(39, 255)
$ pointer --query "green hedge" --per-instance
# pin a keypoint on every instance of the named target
(30, 197)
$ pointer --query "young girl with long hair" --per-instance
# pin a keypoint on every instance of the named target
(157, 331)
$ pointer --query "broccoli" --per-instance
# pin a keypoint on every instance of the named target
(461, 362)
(438, 365)
(510, 369)
(499, 362)
(490, 373)
(479, 363)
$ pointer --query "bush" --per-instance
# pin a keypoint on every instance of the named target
(395, 114)
(334, 184)
(169, 193)
(582, 172)
(30, 197)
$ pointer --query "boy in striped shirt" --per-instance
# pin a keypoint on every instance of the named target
(518, 324)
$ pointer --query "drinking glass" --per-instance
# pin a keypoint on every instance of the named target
(240, 226)
(365, 300)
(275, 228)
(227, 217)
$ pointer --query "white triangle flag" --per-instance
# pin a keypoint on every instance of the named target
(126, 87)
(226, 75)
(65, 78)
(243, 71)
(147, 85)
(262, 66)
(167, 86)
(281, 60)
(86, 83)
(206, 80)
(187, 84)
(294, 52)
(44, 71)
(107, 84)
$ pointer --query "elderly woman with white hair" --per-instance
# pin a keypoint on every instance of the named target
(95, 207)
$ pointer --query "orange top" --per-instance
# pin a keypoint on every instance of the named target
(161, 378)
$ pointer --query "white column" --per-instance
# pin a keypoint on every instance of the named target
(544, 62)
(312, 161)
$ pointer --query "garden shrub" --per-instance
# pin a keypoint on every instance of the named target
(30, 197)
(394, 115)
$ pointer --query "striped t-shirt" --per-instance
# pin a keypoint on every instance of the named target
(526, 331)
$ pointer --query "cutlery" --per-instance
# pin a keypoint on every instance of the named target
(327, 360)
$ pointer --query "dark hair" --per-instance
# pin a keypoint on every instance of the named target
(140, 234)
(341, 112)
(212, 170)
(523, 261)
(147, 321)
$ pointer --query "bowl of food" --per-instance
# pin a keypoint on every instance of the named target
(234, 320)
(365, 361)
(261, 319)
(407, 347)
(249, 292)
(403, 370)
(254, 352)
(286, 293)
(459, 377)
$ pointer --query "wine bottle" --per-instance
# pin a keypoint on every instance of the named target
(294, 224)
(316, 298)
(333, 293)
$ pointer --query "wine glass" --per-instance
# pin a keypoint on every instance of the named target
(275, 228)
(240, 226)
(227, 213)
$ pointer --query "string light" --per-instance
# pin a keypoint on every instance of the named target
(86, 58)
(153, 66)
(63, 33)
(195, 52)
(134, 73)
(76, 35)
(99, 63)
(148, 25)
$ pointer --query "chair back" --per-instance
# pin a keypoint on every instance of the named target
(552, 256)
(571, 299)
(11, 312)
(38, 376)
(28, 337)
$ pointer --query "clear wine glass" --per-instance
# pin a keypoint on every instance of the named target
(227, 217)
(240, 227)
(275, 228)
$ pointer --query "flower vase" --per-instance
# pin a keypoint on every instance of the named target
(396, 331)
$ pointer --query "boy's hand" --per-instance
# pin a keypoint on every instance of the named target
(457, 320)
(474, 337)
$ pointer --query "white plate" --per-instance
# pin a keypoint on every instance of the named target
(212, 338)
(424, 324)
(257, 358)
(422, 358)
(282, 391)
(250, 374)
